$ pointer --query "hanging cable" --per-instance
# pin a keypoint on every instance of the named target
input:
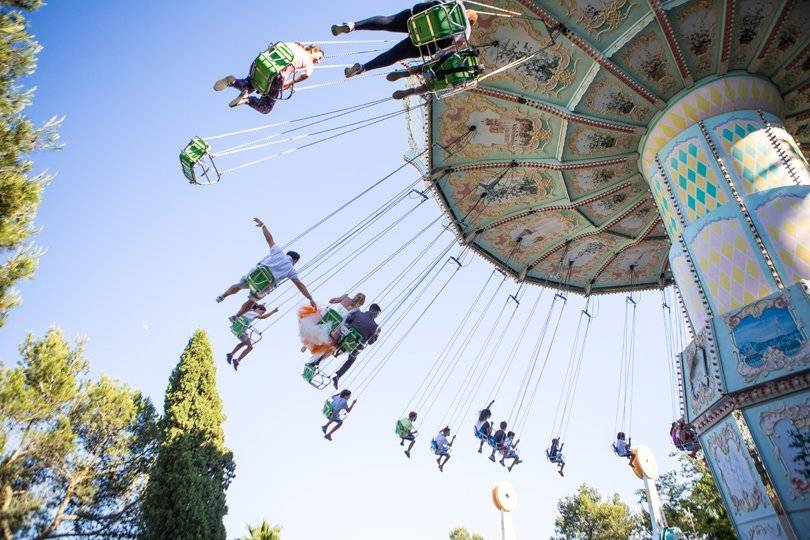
(624, 401)
(518, 406)
(666, 313)
(351, 108)
(435, 366)
(496, 388)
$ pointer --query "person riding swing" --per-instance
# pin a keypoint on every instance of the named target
(406, 49)
(362, 322)
(272, 73)
(268, 274)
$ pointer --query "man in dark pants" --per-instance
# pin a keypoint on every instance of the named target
(403, 50)
(365, 323)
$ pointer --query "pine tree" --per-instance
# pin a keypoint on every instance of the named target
(185, 496)
(20, 188)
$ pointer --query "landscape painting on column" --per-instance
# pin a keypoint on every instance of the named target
(767, 337)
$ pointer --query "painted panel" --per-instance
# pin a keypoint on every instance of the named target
(690, 292)
(487, 195)
(731, 269)
(767, 339)
(610, 98)
(754, 163)
(697, 27)
(584, 181)
(696, 183)
(666, 208)
(742, 488)
(781, 431)
(701, 373)
(782, 218)
(549, 75)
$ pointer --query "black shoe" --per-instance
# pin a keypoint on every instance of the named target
(344, 28)
(356, 69)
(229, 357)
(335, 382)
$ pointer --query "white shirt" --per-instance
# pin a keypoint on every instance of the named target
(621, 447)
(441, 442)
(480, 424)
(302, 61)
(280, 265)
(250, 316)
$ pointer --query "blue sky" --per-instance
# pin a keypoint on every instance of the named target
(135, 257)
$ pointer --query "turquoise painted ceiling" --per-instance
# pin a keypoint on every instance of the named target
(547, 185)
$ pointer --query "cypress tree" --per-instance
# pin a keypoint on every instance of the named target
(185, 496)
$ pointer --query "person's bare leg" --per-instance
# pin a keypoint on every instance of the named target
(338, 425)
(233, 289)
(481, 447)
(408, 451)
(246, 352)
(492, 455)
(446, 459)
(249, 303)
(326, 426)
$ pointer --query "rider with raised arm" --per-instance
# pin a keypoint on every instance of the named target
(281, 267)
(340, 402)
(441, 447)
(258, 312)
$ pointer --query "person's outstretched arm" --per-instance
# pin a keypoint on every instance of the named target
(303, 288)
(490, 404)
(349, 409)
(338, 299)
(267, 314)
(265, 232)
(452, 440)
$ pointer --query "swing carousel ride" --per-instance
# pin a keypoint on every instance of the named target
(601, 147)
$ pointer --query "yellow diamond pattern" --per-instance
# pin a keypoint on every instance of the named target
(752, 157)
(728, 265)
(693, 181)
(786, 220)
(689, 290)
(665, 206)
(729, 94)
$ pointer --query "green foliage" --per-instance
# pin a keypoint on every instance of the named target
(585, 515)
(265, 531)
(21, 190)
(460, 533)
(74, 454)
(692, 502)
(185, 497)
(800, 440)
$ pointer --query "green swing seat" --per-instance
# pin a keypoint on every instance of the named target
(315, 377)
(351, 341)
(239, 326)
(268, 65)
(332, 318)
(191, 162)
(260, 281)
(402, 428)
(328, 410)
(437, 23)
(455, 71)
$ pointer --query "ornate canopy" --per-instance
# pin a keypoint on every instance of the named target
(538, 167)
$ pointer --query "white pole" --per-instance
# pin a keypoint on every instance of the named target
(656, 508)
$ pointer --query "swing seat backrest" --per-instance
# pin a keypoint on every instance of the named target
(239, 326)
(434, 446)
(191, 155)
(455, 70)
(328, 410)
(351, 341)
(308, 374)
(268, 65)
(401, 429)
(260, 280)
(332, 318)
(480, 435)
(436, 23)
